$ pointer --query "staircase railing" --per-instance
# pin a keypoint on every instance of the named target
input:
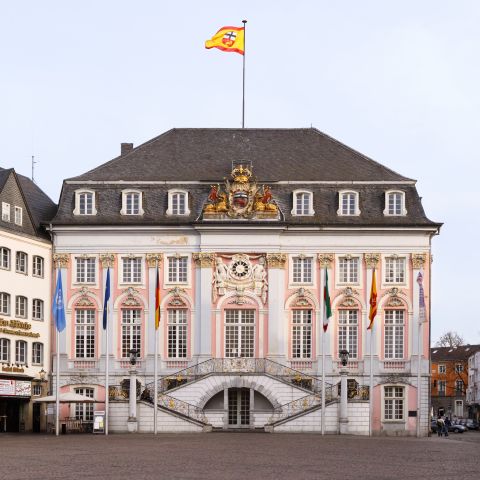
(302, 404)
(237, 365)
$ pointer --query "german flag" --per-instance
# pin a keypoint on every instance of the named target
(228, 39)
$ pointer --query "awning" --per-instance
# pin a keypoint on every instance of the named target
(68, 397)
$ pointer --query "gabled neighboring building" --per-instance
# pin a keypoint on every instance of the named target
(25, 300)
(450, 380)
(473, 389)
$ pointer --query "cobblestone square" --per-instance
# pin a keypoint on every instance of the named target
(238, 456)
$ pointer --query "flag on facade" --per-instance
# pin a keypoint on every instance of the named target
(421, 299)
(327, 313)
(58, 305)
(105, 301)
(228, 39)
(373, 301)
(157, 303)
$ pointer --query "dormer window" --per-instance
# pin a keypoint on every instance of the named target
(302, 203)
(394, 203)
(178, 202)
(348, 203)
(131, 203)
(85, 203)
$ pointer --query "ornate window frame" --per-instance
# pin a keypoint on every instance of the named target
(394, 256)
(168, 257)
(358, 257)
(314, 269)
(125, 193)
(143, 268)
(404, 387)
(75, 267)
(403, 210)
(340, 211)
(171, 194)
(310, 211)
(80, 192)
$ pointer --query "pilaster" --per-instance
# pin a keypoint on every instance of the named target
(277, 342)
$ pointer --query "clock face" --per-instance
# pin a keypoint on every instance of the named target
(240, 269)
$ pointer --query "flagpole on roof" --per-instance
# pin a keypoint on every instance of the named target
(243, 86)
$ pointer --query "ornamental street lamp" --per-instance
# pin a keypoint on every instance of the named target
(133, 356)
(42, 374)
(132, 424)
(344, 354)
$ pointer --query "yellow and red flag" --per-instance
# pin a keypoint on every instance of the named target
(157, 303)
(228, 39)
(373, 301)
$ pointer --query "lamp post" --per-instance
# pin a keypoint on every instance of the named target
(132, 424)
(344, 354)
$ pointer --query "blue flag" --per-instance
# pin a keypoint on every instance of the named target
(58, 305)
(107, 297)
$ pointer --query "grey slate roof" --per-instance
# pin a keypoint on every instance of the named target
(439, 354)
(277, 154)
(186, 155)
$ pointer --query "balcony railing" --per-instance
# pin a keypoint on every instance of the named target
(83, 364)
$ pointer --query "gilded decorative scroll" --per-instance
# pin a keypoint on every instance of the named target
(154, 259)
(204, 259)
(276, 260)
(419, 260)
(107, 260)
(61, 260)
(372, 259)
(325, 259)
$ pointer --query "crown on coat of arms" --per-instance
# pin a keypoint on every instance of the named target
(241, 174)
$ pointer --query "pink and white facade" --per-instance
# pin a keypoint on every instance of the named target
(242, 278)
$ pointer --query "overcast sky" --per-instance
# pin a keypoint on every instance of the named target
(397, 80)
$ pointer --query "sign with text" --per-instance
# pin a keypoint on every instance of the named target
(7, 387)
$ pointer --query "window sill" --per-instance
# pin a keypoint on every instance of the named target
(22, 273)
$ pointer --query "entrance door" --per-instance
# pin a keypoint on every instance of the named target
(36, 418)
(239, 333)
(238, 407)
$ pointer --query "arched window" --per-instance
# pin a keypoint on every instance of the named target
(395, 203)
(131, 331)
(348, 331)
(37, 353)
(5, 258)
(301, 333)
(348, 203)
(302, 203)
(37, 309)
(239, 333)
(177, 333)
(178, 202)
(394, 334)
(85, 203)
(131, 203)
(85, 333)
(37, 266)
(4, 303)
(4, 350)
(21, 352)
(21, 308)
(21, 262)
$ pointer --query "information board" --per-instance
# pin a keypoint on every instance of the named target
(99, 422)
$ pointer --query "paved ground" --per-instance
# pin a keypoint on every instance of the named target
(243, 456)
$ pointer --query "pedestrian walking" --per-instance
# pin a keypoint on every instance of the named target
(448, 424)
(440, 426)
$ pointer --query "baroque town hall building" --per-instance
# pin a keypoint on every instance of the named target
(242, 224)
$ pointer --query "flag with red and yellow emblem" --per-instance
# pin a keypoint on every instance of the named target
(228, 39)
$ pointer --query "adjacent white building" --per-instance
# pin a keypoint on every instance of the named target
(25, 301)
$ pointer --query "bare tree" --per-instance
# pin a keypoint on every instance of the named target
(450, 339)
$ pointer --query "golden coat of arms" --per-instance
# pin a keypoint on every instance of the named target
(241, 197)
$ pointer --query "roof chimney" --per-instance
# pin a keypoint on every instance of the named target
(125, 148)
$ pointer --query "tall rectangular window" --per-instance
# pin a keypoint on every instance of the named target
(5, 258)
(18, 216)
(395, 203)
(85, 333)
(37, 266)
(394, 403)
(5, 211)
(348, 203)
(85, 270)
(348, 270)
(442, 387)
(177, 333)
(177, 269)
(37, 353)
(132, 270)
(5, 303)
(4, 350)
(21, 262)
(37, 309)
(348, 332)
(303, 201)
(21, 352)
(442, 368)
(395, 270)
(301, 334)
(179, 203)
(85, 206)
(21, 307)
(394, 333)
(131, 331)
(84, 411)
(302, 270)
(239, 333)
(132, 203)
(459, 387)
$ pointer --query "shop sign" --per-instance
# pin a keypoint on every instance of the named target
(16, 327)
(7, 387)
